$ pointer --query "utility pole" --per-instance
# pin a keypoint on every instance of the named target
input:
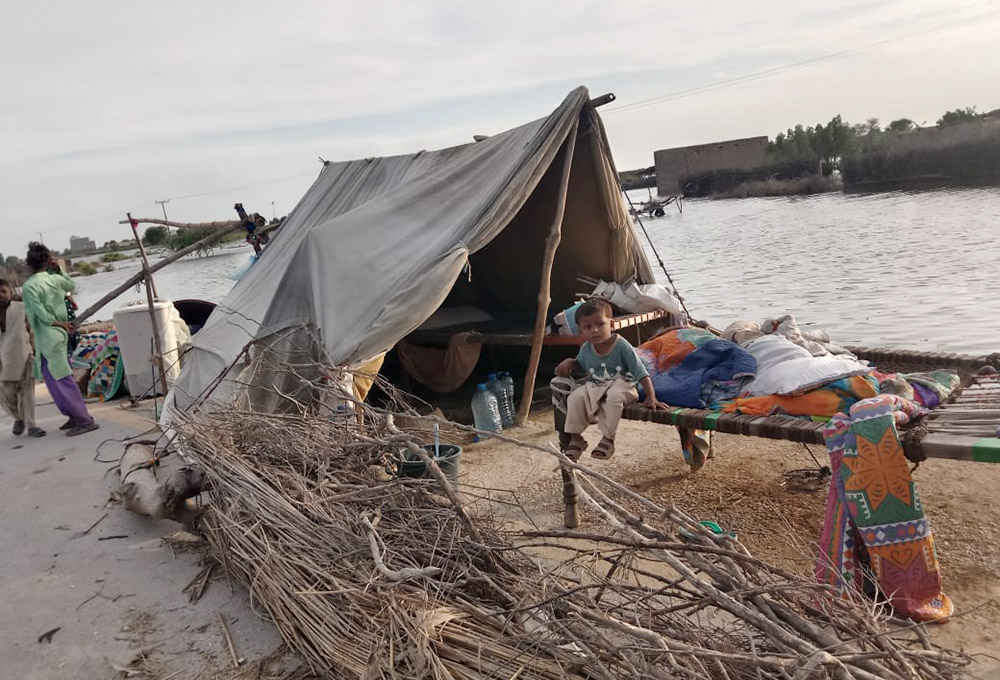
(163, 204)
(41, 237)
(274, 215)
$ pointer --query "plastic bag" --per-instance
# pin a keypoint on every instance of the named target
(636, 299)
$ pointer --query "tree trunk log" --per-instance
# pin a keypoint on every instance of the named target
(162, 494)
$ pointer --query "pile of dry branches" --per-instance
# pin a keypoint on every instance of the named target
(372, 577)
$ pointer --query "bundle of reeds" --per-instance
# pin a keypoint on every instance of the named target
(368, 576)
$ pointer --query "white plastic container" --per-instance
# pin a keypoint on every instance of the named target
(135, 338)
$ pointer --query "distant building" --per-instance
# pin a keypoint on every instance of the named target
(673, 165)
(81, 244)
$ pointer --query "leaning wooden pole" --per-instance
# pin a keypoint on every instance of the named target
(142, 249)
(551, 244)
(147, 277)
(223, 229)
(179, 225)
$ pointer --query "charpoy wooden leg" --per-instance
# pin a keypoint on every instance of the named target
(571, 512)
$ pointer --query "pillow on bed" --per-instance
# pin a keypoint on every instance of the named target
(785, 368)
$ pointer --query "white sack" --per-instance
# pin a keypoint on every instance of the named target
(785, 368)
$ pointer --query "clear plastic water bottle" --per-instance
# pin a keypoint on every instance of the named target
(485, 410)
(495, 384)
(508, 385)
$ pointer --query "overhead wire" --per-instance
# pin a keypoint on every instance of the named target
(277, 180)
(681, 94)
(245, 186)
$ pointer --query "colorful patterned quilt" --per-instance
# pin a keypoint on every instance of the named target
(928, 388)
(99, 352)
(924, 391)
(875, 527)
(693, 368)
(828, 400)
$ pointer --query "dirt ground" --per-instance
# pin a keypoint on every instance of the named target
(115, 593)
(742, 489)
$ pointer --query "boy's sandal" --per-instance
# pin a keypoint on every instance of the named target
(604, 449)
(575, 448)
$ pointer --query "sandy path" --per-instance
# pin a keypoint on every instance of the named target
(741, 489)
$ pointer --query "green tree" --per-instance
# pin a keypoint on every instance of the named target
(185, 237)
(828, 143)
(155, 236)
(901, 125)
(86, 268)
(958, 116)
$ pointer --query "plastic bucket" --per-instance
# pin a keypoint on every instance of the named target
(448, 459)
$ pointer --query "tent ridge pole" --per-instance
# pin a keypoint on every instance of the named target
(551, 244)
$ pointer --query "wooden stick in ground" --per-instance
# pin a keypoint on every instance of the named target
(147, 277)
(224, 228)
(551, 244)
(157, 342)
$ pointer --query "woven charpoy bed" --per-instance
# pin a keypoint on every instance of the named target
(964, 427)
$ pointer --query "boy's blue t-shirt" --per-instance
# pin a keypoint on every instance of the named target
(620, 363)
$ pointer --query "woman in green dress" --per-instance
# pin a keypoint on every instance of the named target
(44, 295)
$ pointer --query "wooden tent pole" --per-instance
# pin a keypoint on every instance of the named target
(147, 277)
(223, 229)
(551, 244)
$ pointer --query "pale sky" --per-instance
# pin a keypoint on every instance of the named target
(110, 106)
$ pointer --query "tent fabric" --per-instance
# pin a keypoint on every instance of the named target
(377, 245)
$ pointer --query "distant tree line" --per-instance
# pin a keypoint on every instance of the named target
(838, 138)
(638, 179)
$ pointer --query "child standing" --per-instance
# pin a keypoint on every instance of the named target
(612, 370)
(17, 385)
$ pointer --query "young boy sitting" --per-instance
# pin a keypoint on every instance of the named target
(612, 370)
(17, 386)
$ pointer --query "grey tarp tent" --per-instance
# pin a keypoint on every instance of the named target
(375, 245)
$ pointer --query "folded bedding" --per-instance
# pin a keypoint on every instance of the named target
(693, 368)
(824, 401)
(784, 368)
(771, 375)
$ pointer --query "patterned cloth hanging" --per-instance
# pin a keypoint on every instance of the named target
(875, 531)
(98, 351)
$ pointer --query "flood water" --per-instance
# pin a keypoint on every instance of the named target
(916, 270)
(202, 278)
